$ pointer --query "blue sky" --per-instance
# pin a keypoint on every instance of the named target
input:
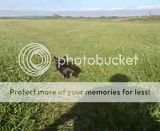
(76, 4)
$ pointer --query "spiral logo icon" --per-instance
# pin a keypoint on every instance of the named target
(34, 59)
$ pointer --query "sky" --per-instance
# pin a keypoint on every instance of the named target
(77, 4)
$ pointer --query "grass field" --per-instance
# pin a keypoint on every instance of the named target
(76, 37)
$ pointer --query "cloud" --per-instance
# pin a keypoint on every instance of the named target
(117, 9)
(93, 9)
(148, 7)
(101, 9)
(143, 7)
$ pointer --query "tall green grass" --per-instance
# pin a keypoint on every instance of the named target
(77, 37)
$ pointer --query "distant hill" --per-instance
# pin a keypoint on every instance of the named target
(84, 13)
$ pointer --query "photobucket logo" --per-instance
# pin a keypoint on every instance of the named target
(34, 59)
(97, 60)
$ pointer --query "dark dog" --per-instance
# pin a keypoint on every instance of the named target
(67, 69)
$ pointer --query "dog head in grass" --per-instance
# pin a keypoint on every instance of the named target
(66, 68)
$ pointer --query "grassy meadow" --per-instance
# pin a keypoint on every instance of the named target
(76, 37)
